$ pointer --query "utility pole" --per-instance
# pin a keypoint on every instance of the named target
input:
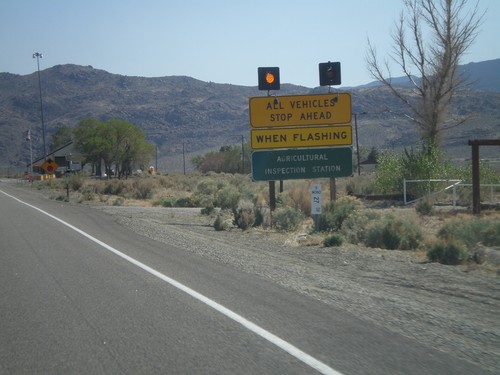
(38, 56)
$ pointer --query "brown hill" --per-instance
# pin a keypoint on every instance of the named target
(202, 115)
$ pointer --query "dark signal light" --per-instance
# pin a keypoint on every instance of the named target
(329, 74)
(269, 78)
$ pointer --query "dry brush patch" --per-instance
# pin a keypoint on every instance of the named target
(355, 220)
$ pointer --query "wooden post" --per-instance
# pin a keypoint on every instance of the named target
(333, 190)
(476, 185)
(476, 200)
(272, 195)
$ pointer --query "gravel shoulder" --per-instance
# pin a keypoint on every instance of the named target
(454, 309)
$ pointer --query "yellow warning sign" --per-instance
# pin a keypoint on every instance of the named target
(300, 110)
(301, 137)
(50, 166)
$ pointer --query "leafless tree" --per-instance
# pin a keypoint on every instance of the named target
(428, 41)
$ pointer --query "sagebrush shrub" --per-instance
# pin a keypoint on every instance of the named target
(208, 210)
(228, 197)
(472, 232)
(447, 252)
(425, 207)
(333, 240)
(287, 219)
(299, 197)
(393, 233)
(143, 188)
(114, 187)
(334, 214)
(76, 181)
(354, 228)
(220, 224)
(244, 215)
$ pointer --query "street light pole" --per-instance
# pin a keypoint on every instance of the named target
(38, 56)
(357, 140)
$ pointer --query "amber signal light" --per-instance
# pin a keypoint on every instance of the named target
(269, 78)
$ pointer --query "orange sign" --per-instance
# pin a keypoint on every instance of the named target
(50, 166)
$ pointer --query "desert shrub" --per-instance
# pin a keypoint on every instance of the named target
(207, 187)
(88, 193)
(168, 201)
(447, 252)
(355, 226)
(425, 207)
(205, 192)
(288, 219)
(244, 215)
(281, 199)
(164, 182)
(118, 201)
(143, 188)
(114, 187)
(228, 197)
(334, 214)
(299, 197)
(333, 240)
(219, 223)
(262, 216)
(472, 231)
(208, 210)
(61, 198)
(393, 233)
(185, 202)
(76, 181)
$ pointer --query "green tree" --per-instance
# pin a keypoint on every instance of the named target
(115, 142)
(89, 143)
(228, 159)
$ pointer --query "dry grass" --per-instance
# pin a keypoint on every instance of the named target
(148, 190)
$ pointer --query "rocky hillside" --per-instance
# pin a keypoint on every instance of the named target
(204, 115)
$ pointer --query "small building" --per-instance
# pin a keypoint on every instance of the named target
(66, 157)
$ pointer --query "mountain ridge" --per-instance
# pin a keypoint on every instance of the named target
(177, 111)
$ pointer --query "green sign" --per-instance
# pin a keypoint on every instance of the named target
(298, 164)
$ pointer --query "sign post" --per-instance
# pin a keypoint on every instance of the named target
(316, 204)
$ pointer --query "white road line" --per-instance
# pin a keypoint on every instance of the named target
(284, 345)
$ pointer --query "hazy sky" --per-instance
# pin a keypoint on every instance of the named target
(212, 40)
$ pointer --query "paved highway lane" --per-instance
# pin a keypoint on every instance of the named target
(80, 294)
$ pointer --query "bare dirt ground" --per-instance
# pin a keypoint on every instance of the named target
(454, 309)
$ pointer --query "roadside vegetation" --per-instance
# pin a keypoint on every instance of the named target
(234, 202)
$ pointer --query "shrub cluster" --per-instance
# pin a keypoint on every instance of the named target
(333, 240)
(391, 232)
(228, 198)
(447, 252)
(472, 232)
(220, 224)
(334, 214)
(143, 188)
(287, 219)
(244, 215)
(76, 181)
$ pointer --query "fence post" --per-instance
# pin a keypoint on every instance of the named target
(404, 190)
(454, 196)
(476, 202)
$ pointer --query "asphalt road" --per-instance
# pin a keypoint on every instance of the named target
(80, 294)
